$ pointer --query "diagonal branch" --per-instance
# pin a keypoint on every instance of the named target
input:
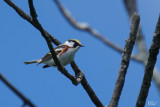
(131, 7)
(86, 86)
(20, 95)
(153, 52)
(125, 61)
(46, 37)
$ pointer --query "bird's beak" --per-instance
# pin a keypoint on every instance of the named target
(81, 45)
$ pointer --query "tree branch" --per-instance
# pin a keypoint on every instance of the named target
(131, 7)
(153, 52)
(46, 37)
(125, 61)
(86, 86)
(19, 94)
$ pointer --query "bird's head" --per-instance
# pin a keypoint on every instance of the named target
(73, 43)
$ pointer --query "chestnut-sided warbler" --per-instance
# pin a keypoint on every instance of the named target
(65, 53)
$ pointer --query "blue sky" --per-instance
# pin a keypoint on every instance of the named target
(20, 42)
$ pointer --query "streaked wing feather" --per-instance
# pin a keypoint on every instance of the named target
(57, 49)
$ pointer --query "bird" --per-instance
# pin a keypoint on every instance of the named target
(65, 53)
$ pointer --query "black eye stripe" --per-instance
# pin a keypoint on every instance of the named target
(76, 44)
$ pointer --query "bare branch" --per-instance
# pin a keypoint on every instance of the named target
(91, 93)
(86, 86)
(46, 37)
(131, 7)
(125, 61)
(19, 94)
(153, 52)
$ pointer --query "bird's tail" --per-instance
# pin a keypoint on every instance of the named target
(34, 61)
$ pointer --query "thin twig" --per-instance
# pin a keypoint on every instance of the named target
(125, 61)
(131, 7)
(153, 52)
(19, 94)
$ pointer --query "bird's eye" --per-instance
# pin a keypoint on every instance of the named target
(75, 44)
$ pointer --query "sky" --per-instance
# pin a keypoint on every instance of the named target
(20, 42)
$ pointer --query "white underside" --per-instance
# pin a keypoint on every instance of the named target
(65, 58)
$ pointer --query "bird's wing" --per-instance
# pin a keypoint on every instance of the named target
(57, 49)
(46, 57)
